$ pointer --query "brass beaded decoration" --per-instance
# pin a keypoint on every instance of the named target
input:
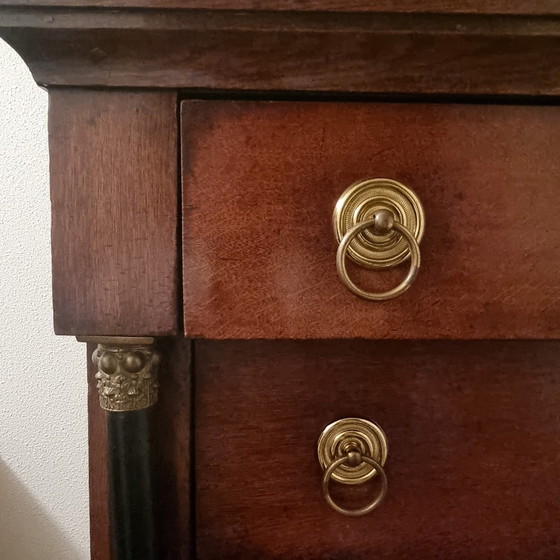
(126, 376)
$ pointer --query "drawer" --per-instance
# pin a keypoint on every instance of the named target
(473, 458)
(261, 179)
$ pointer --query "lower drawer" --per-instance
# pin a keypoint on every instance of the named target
(474, 454)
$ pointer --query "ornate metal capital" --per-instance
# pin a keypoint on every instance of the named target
(126, 373)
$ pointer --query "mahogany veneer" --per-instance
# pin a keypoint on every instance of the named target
(114, 206)
(260, 183)
(280, 106)
(473, 460)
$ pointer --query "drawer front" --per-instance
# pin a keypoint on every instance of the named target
(473, 465)
(261, 179)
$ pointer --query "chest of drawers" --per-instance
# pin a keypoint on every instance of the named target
(252, 405)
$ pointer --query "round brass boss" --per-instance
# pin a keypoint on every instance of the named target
(359, 202)
(348, 435)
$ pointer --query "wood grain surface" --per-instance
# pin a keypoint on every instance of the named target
(171, 448)
(292, 51)
(260, 183)
(437, 6)
(114, 212)
(99, 524)
(173, 451)
(473, 464)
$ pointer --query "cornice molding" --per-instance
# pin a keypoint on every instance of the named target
(489, 7)
(288, 52)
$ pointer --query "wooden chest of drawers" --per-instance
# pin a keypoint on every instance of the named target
(199, 149)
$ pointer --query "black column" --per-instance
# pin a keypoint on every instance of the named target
(131, 505)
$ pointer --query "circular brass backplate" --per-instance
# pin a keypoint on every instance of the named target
(359, 202)
(352, 434)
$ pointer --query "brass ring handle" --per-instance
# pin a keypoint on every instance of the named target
(349, 459)
(378, 223)
(383, 222)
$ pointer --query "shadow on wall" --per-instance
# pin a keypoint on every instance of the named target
(26, 530)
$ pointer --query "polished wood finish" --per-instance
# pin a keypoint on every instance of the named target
(173, 452)
(261, 181)
(540, 7)
(114, 212)
(100, 539)
(472, 425)
(131, 485)
(171, 448)
(473, 462)
(304, 51)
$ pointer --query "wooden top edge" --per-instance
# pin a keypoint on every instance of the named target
(487, 7)
(117, 340)
(258, 22)
(291, 51)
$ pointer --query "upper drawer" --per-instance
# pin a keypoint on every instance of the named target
(261, 179)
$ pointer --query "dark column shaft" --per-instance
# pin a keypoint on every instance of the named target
(133, 534)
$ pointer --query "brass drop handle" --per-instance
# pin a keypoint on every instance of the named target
(355, 458)
(352, 451)
(378, 223)
(382, 222)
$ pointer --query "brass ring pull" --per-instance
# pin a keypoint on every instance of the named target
(378, 223)
(382, 222)
(355, 459)
(352, 451)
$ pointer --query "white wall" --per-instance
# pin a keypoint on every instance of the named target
(43, 420)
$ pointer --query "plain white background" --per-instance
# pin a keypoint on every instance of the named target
(43, 386)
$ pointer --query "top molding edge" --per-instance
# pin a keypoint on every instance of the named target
(487, 7)
(255, 51)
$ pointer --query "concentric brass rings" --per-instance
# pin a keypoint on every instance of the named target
(382, 296)
(352, 435)
(351, 451)
(359, 202)
(373, 504)
(378, 223)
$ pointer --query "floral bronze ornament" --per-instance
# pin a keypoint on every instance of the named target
(126, 375)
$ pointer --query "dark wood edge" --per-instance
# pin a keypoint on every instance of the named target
(541, 7)
(457, 54)
(100, 548)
